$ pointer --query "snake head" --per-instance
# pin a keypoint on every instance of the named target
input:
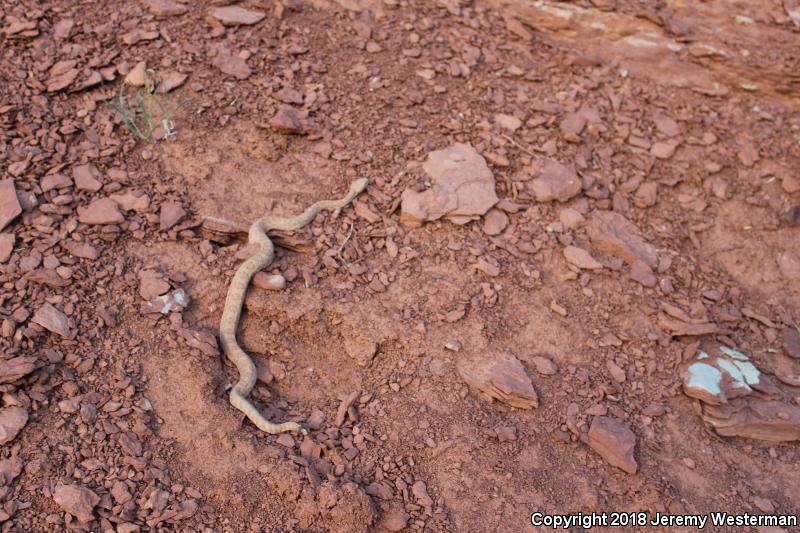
(359, 185)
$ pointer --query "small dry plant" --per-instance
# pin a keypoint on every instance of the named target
(146, 110)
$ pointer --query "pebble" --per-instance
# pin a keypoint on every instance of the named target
(10, 207)
(151, 286)
(137, 77)
(571, 218)
(12, 420)
(7, 241)
(165, 8)
(232, 65)
(132, 201)
(612, 233)
(171, 213)
(616, 373)
(269, 282)
(501, 377)
(642, 273)
(394, 517)
(237, 16)
(171, 81)
(507, 122)
(420, 492)
(83, 250)
(62, 30)
(581, 258)
(791, 341)
(506, 433)
(100, 211)
(9, 470)
(15, 368)
(613, 440)
(663, 150)
(462, 188)
(287, 120)
(544, 365)
(556, 181)
(360, 348)
(61, 75)
(52, 320)
(494, 222)
(285, 440)
(55, 181)
(77, 501)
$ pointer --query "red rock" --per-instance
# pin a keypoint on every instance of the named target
(555, 182)
(15, 368)
(84, 250)
(137, 76)
(232, 65)
(52, 319)
(500, 377)
(132, 200)
(642, 273)
(201, 340)
(420, 492)
(150, 287)
(666, 125)
(646, 194)
(55, 181)
(9, 470)
(494, 222)
(572, 126)
(361, 349)
(62, 30)
(6, 246)
(61, 75)
(791, 341)
(171, 213)
(120, 493)
(507, 122)
(77, 501)
(235, 16)
(165, 8)
(47, 276)
(393, 516)
(615, 235)
(581, 258)
(571, 218)
(544, 365)
(12, 420)
(287, 120)
(755, 418)
(171, 81)
(613, 440)
(269, 282)
(790, 184)
(663, 150)
(789, 265)
(9, 203)
(138, 35)
(748, 153)
(100, 211)
(462, 189)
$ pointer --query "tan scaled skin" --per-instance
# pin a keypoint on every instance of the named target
(235, 299)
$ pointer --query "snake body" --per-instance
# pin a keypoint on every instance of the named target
(235, 298)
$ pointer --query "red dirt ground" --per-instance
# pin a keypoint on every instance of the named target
(681, 118)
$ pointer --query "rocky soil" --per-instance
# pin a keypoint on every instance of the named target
(573, 283)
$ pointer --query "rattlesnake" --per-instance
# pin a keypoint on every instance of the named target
(235, 299)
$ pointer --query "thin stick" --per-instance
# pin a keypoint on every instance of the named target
(346, 239)
(515, 143)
